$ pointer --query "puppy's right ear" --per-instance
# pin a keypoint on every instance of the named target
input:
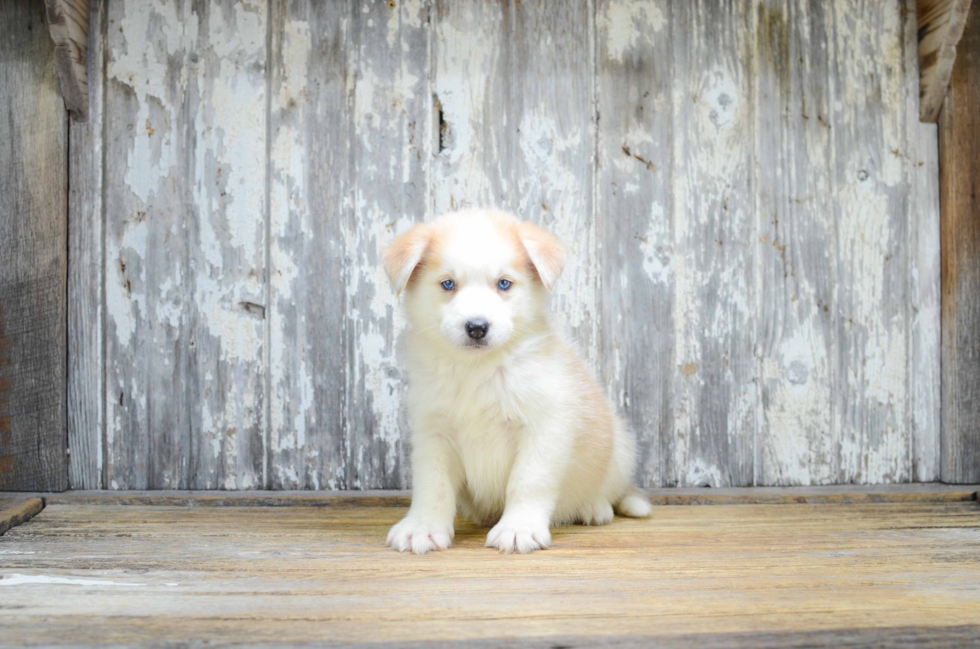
(404, 254)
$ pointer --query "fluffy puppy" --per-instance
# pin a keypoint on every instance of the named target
(508, 426)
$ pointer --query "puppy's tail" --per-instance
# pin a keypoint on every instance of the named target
(634, 504)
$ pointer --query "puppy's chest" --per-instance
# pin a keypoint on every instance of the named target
(488, 426)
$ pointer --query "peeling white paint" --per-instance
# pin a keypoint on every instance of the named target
(624, 22)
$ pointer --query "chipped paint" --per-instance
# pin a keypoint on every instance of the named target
(624, 22)
(778, 363)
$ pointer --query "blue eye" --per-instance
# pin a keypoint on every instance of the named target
(504, 284)
(449, 285)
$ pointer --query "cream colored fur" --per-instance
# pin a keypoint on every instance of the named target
(514, 433)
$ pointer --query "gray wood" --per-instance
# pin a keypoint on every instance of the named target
(514, 88)
(33, 264)
(390, 139)
(634, 213)
(922, 162)
(940, 26)
(714, 364)
(17, 510)
(871, 238)
(308, 211)
(68, 21)
(795, 244)
(86, 376)
(185, 285)
(959, 152)
(753, 267)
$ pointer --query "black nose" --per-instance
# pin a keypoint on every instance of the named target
(477, 329)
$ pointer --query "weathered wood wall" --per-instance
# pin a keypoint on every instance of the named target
(749, 202)
(33, 263)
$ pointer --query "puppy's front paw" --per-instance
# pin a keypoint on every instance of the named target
(519, 533)
(419, 535)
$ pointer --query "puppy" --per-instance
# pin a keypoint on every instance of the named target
(508, 426)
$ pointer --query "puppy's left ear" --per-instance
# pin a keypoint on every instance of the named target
(404, 254)
(545, 250)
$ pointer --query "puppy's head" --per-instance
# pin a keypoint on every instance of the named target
(475, 279)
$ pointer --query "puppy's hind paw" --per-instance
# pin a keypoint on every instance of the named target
(516, 535)
(415, 534)
(635, 506)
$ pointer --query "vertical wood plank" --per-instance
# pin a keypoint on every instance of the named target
(145, 243)
(795, 245)
(86, 387)
(514, 90)
(634, 219)
(227, 255)
(390, 148)
(33, 259)
(922, 160)
(185, 234)
(959, 152)
(715, 393)
(870, 141)
(309, 206)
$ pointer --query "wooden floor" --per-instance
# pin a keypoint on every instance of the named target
(872, 574)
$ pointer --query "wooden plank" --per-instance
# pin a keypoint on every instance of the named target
(33, 244)
(959, 152)
(310, 183)
(507, 139)
(714, 369)
(634, 220)
(185, 285)
(796, 246)
(922, 178)
(871, 212)
(68, 21)
(283, 575)
(391, 144)
(86, 375)
(14, 511)
(940, 27)
(833, 494)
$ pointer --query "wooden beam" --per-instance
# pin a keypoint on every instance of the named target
(33, 255)
(17, 510)
(831, 494)
(68, 21)
(941, 24)
(959, 186)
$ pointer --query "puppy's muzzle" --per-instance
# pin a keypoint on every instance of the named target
(477, 329)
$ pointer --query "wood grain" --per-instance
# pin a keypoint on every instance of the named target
(796, 255)
(940, 27)
(309, 204)
(959, 152)
(925, 377)
(185, 285)
(748, 201)
(86, 307)
(68, 21)
(871, 238)
(231, 575)
(17, 510)
(714, 369)
(635, 221)
(33, 263)
(835, 494)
